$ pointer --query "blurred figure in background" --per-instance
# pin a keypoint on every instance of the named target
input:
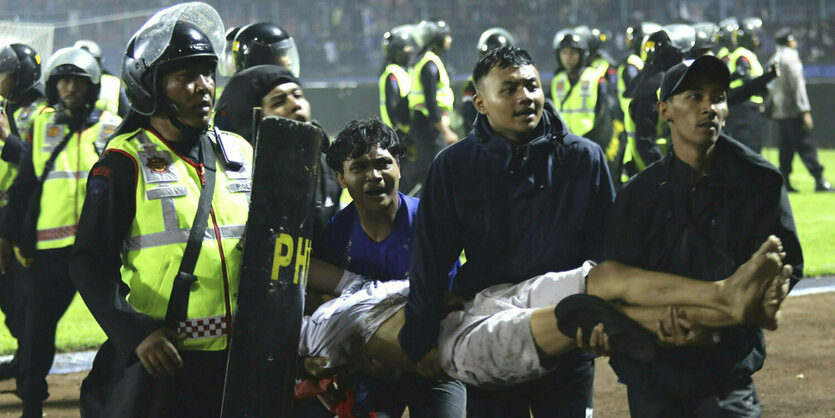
(745, 122)
(788, 104)
(395, 83)
(726, 38)
(430, 103)
(112, 96)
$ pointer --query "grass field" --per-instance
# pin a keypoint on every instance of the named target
(814, 214)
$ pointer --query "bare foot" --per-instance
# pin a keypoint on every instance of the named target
(773, 298)
(743, 291)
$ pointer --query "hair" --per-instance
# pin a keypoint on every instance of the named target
(361, 136)
(503, 57)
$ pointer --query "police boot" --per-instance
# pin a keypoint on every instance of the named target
(8, 369)
(821, 185)
(789, 187)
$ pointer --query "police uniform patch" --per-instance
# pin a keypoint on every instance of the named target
(158, 165)
(53, 131)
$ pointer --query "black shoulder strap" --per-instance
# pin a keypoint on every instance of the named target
(50, 163)
(178, 304)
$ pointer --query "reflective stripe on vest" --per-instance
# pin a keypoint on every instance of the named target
(576, 103)
(111, 87)
(64, 188)
(23, 118)
(167, 192)
(756, 69)
(444, 96)
(403, 82)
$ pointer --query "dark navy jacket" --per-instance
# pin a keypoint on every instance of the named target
(516, 211)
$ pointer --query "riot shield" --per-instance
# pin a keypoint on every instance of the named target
(265, 332)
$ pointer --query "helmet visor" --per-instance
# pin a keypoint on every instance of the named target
(286, 55)
(153, 37)
(682, 37)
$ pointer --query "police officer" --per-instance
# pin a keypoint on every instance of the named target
(167, 349)
(20, 73)
(265, 43)
(489, 40)
(663, 49)
(598, 57)
(226, 64)
(579, 91)
(726, 38)
(112, 95)
(627, 71)
(395, 83)
(745, 121)
(430, 102)
(44, 205)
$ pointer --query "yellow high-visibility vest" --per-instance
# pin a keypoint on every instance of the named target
(23, 118)
(64, 188)
(445, 97)
(576, 103)
(167, 195)
(756, 69)
(404, 84)
(111, 87)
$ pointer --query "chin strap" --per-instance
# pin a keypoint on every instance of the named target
(188, 131)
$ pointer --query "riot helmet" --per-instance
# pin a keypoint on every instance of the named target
(707, 35)
(493, 38)
(727, 32)
(572, 38)
(635, 35)
(226, 65)
(748, 34)
(431, 35)
(668, 46)
(172, 37)
(92, 47)
(72, 62)
(24, 64)
(399, 45)
(265, 43)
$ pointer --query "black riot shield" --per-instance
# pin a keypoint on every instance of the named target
(265, 333)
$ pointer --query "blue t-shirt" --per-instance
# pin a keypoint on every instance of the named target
(345, 244)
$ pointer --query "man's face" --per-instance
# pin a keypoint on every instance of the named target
(372, 179)
(73, 90)
(569, 58)
(191, 89)
(6, 84)
(512, 99)
(287, 101)
(696, 114)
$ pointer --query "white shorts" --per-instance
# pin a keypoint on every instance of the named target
(489, 343)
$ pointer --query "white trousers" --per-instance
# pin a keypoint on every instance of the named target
(489, 343)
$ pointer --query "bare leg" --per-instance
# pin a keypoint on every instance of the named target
(739, 296)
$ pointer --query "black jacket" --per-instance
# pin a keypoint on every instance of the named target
(703, 229)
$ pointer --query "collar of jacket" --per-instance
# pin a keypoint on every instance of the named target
(530, 157)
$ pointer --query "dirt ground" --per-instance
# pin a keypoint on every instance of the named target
(797, 380)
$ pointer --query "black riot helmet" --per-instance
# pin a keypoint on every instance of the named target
(668, 46)
(493, 38)
(707, 35)
(265, 43)
(226, 65)
(24, 64)
(72, 62)
(727, 32)
(399, 45)
(431, 35)
(635, 35)
(171, 38)
(748, 34)
(572, 38)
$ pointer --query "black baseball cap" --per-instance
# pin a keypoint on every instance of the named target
(675, 78)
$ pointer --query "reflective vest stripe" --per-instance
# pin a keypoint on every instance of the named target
(57, 233)
(178, 236)
(66, 175)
